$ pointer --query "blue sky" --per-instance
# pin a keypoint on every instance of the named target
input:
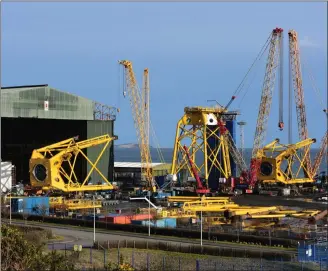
(194, 52)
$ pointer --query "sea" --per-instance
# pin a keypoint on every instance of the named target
(133, 155)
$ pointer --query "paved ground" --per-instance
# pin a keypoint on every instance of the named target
(75, 236)
(264, 200)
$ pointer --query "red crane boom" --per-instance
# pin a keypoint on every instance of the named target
(200, 188)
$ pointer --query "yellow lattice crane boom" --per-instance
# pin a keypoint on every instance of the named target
(53, 166)
(296, 75)
(140, 108)
(273, 62)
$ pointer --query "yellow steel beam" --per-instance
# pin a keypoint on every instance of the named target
(188, 199)
(287, 155)
(48, 171)
(268, 216)
(193, 130)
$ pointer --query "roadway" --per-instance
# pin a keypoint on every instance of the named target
(77, 236)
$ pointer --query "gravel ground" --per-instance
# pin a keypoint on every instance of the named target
(252, 200)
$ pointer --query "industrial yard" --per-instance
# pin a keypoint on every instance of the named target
(209, 203)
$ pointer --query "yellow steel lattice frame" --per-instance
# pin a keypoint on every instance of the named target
(296, 75)
(193, 130)
(53, 166)
(276, 154)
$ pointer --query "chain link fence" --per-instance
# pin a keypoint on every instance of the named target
(151, 260)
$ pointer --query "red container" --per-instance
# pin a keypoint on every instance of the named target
(125, 219)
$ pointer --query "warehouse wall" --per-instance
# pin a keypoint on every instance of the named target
(29, 102)
(106, 164)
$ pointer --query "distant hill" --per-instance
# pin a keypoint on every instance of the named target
(129, 146)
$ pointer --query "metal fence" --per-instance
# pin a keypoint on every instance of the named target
(147, 260)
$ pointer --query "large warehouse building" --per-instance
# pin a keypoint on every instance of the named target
(40, 115)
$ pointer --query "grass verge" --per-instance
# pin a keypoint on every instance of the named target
(164, 260)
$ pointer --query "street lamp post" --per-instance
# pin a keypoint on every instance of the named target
(201, 227)
(149, 203)
(94, 220)
(149, 213)
(201, 222)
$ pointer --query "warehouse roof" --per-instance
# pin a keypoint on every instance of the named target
(46, 102)
(133, 164)
(25, 86)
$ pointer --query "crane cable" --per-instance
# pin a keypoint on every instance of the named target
(256, 72)
(158, 149)
(156, 142)
(316, 89)
(120, 87)
(259, 55)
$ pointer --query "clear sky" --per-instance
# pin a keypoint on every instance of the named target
(194, 52)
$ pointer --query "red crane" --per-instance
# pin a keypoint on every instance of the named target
(201, 189)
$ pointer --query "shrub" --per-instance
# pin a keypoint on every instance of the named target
(19, 253)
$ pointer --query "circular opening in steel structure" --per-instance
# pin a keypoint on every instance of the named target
(266, 169)
(40, 172)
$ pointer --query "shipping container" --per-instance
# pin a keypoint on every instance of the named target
(91, 217)
(31, 205)
(161, 223)
(101, 218)
(125, 219)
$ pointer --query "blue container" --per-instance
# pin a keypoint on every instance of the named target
(161, 223)
(138, 222)
(16, 205)
(31, 205)
(170, 222)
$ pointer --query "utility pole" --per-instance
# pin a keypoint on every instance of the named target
(201, 223)
(242, 124)
(94, 220)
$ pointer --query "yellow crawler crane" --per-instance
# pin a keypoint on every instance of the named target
(140, 110)
(276, 155)
(197, 125)
(52, 167)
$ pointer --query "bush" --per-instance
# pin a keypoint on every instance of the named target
(21, 252)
